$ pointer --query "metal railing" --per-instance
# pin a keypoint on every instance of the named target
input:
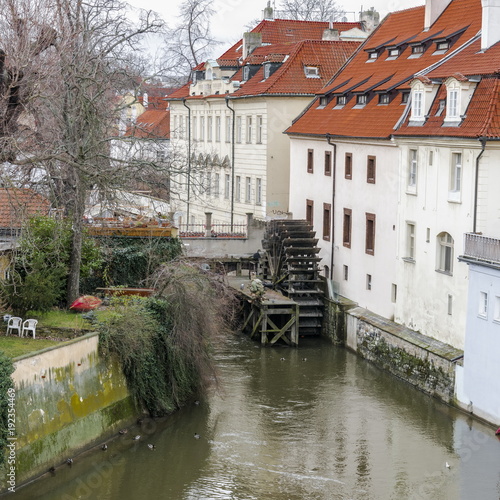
(214, 231)
(482, 248)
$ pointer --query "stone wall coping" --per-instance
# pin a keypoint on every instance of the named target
(63, 343)
(430, 344)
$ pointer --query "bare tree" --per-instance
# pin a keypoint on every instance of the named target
(63, 64)
(311, 10)
(189, 43)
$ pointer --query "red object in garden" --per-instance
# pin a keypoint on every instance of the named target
(497, 433)
(85, 303)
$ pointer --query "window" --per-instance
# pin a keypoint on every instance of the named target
(238, 188)
(217, 185)
(431, 157)
(246, 73)
(370, 169)
(327, 220)
(346, 273)
(195, 128)
(227, 186)
(267, 71)
(202, 128)
(370, 234)
(368, 281)
(428, 235)
(258, 191)
(417, 105)
(442, 47)
(372, 56)
(383, 99)
(228, 129)
(348, 166)
(341, 100)
(456, 172)
(310, 212)
(393, 53)
(217, 128)
(310, 161)
(412, 171)
(394, 293)
(496, 312)
(249, 129)
(361, 100)
(483, 305)
(311, 71)
(346, 238)
(248, 189)
(417, 50)
(209, 184)
(238, 129)
(410, 241)
(445, 253)
(175, 126)
(209, 128)
(452, 109)
(259, 129)
(450, 304)
(328, 163)
(323, 101)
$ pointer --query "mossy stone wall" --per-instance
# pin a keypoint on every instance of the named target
(67, 399)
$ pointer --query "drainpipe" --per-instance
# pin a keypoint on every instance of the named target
(482, 140)
(189, 163)
(232, 160)
(334, 175)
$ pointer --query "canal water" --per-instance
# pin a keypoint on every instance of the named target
(291, 424)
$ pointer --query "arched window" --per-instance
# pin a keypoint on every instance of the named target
(445, 253)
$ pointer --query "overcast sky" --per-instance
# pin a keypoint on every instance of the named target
(228, 24)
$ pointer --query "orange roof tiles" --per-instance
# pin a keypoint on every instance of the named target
(152, 124)
(462, 18)
(17, 204)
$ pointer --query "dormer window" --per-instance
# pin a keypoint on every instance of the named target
(383, 99)
(361, 100)
(341, 100)
(209, 74)
(311, 71)
(246, 73)
(416, 51)
(443, 45)
(323, 101)
(372, 56)
(405, 96)
(417, 109)
(392, 53)
(267, 71)
(453, 103)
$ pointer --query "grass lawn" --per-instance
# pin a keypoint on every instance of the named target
(14, 346)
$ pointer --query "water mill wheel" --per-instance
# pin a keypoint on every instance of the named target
(290, 263)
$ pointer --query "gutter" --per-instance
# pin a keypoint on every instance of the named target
(189, 163)
(334, 185)
(482, 140)
(232, 159)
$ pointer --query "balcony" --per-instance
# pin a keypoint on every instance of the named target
(481, 249)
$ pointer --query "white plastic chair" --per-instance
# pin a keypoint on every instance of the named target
(29, 326)
(14, 323)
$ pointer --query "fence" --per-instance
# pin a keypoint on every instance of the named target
(482, 248)
(213, 231)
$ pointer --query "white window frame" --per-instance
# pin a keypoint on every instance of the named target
(239, 129)
(237, 189)
(202, 128)
(482, 311)
(445, 252)
(311, 71)
(227, 186)
(249, 129)
(228, 129)
(453, 104)
(412, 171)
(258, 191)
(496, 309)
(259, 129)
(417, 105)
(410, 241)
(248, 189)
(217, 128)
(456, 177)
(210, 128)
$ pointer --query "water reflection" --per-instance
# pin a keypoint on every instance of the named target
(326, 427)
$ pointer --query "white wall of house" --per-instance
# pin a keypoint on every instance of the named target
(370, 276)
(261, 166)
(481, 369)
(432, 292)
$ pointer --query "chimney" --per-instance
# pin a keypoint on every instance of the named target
(433, 9)
(250, 42)
(490, 29)
(268, 12)
(330, 34)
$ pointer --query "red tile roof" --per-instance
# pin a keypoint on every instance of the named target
(462, 18)
(17, 204)
(290, 78)
(152, 124)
